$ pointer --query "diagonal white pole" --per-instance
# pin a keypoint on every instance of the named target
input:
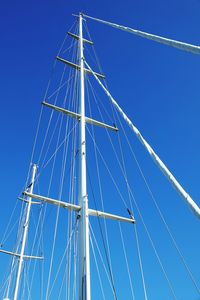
(173, 43)
(84, 255)
(186, 197)
(25, 233)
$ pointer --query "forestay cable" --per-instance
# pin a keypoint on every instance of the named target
(186, 197)
(99, 276)
(130, 202)
(102, 261)
(157, 207)
(154, 248)
(126, 260)
(106, 242)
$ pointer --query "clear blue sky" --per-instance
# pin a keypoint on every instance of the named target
(156, 85)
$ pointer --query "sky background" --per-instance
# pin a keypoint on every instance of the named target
(156, 85)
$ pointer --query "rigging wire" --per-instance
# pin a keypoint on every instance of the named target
(122, 198)
(55, 155)
(108, 256)
(110, 140)
(26, 283)
(99, 65)
(141, 264)
(109, 171)
(56, 222)
(102, 260)
(154, 248)
(64, 165)
(55, 231)
(41, 111)
(135, 226)
(95, 97)
(5, 237)
(152, 244)
(68, 89)
(125, 177)
(72, 194)
(126, 260)
(32, 155)
(37, 238)
(8, 234)
(50, 119)
(64, 254)
(103, 240)
(75, 265)
(96, 264)
(174, 242)
(56, 93)
(57, 149)
(159, 211)
(60, 87)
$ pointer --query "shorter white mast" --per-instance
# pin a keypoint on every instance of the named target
(25, 233)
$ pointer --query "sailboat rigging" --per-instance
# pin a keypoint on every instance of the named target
(75, 119)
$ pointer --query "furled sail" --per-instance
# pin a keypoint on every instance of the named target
(173, 43)
(186, 197)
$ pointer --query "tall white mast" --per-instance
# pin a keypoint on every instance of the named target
(84, 254)
(25, 232)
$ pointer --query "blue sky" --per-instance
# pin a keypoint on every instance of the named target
(156, 85)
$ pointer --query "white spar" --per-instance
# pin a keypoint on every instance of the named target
(152, 153)
(173, 43)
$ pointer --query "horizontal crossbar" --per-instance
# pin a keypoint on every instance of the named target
(26, 201)
(78, 116)
(18, 255)
(77, 208)
(77, 67)
(102, 214)
(78, 38)
(54, 201)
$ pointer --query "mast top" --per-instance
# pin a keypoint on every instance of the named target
(80, 14)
